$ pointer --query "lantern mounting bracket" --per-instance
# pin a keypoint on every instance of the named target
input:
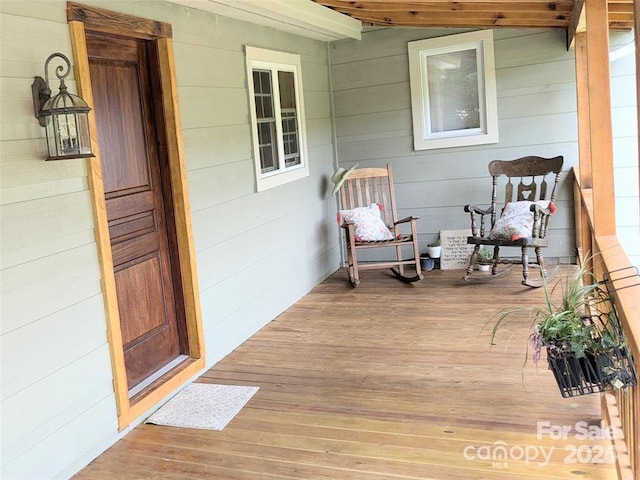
(41, 93)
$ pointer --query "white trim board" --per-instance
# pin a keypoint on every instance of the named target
(301, 17)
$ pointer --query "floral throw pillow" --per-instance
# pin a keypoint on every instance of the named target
(516, 221)
(368, 224)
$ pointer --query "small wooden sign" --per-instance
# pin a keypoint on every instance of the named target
(455, 250)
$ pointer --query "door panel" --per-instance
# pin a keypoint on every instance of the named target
(125, 138)
(122, 71)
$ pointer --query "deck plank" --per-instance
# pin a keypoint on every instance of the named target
(386, 381)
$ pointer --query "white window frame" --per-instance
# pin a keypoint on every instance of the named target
(262, 59)
(419, 51)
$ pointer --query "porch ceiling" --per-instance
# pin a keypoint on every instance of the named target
(476, 13)
(328, 20)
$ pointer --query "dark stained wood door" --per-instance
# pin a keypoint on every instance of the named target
(123, 73)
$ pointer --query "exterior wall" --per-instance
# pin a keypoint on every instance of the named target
(256, 253)
(535, 78)
(625, 143)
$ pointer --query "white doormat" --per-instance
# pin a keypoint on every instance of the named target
(203, 405)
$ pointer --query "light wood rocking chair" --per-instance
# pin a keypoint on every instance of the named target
(363, 188)
(537, 179)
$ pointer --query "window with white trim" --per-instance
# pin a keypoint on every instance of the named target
(453, 90)
(277, 117)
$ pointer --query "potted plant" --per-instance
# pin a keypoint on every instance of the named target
(484, 259)
(434, 249)
(586, 348)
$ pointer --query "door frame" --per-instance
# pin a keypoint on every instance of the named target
(81, 18)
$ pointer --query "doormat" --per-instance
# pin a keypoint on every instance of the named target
(203, 405)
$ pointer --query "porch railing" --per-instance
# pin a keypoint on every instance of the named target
(621, 409)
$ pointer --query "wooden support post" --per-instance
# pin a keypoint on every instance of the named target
(584, 123)
(636, 27)
(600, 130)
(584, 243)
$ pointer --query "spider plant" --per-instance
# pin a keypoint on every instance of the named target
(581, 325)
(566, 325)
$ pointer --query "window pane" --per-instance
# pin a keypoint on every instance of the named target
(262, 92)
(267, 146)
(287, 90)
(259, 107)
(453, 91)
(290, 137)
(266, 126)
(262, 81)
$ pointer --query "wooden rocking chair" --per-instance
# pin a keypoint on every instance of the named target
(522, 220)
(369, 220)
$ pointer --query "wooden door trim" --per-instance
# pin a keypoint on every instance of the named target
(128, 410)
(102, 20)
(181, 205)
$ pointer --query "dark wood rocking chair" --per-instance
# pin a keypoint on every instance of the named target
(363, 188)
(519, 224)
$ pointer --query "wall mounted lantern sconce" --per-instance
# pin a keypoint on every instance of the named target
(65, 117)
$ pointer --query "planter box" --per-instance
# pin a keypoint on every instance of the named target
(592, 373)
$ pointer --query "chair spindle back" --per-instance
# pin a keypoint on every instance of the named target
(370, 185)
(532, 175)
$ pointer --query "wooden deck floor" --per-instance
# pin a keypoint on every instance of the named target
(387, 381)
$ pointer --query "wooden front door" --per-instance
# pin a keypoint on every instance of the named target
(124, 75)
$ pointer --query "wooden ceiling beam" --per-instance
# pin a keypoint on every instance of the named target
(620, 25)
(620, 8)
(487, 19)
(480, 13)
(356, 8)
(496, 21)
(370, 3)
(620, 15)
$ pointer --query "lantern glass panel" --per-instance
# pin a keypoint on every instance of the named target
(84, 137)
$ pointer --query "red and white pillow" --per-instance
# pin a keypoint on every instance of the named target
(368, 223)
(516, 221)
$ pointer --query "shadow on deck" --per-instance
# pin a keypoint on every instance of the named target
(380, 382)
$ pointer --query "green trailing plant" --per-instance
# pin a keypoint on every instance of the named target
(562, 324)
(581, 324)
(485, 256)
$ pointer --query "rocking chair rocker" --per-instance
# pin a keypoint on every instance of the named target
(523, 220)
(369, 220)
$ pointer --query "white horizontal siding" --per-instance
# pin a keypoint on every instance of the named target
(40, 336)
(625, 143)
(33, 290)
(232, 145)
(38, 419)
(256, 253)
(55, 364)
(70, 447)
(536, 116)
